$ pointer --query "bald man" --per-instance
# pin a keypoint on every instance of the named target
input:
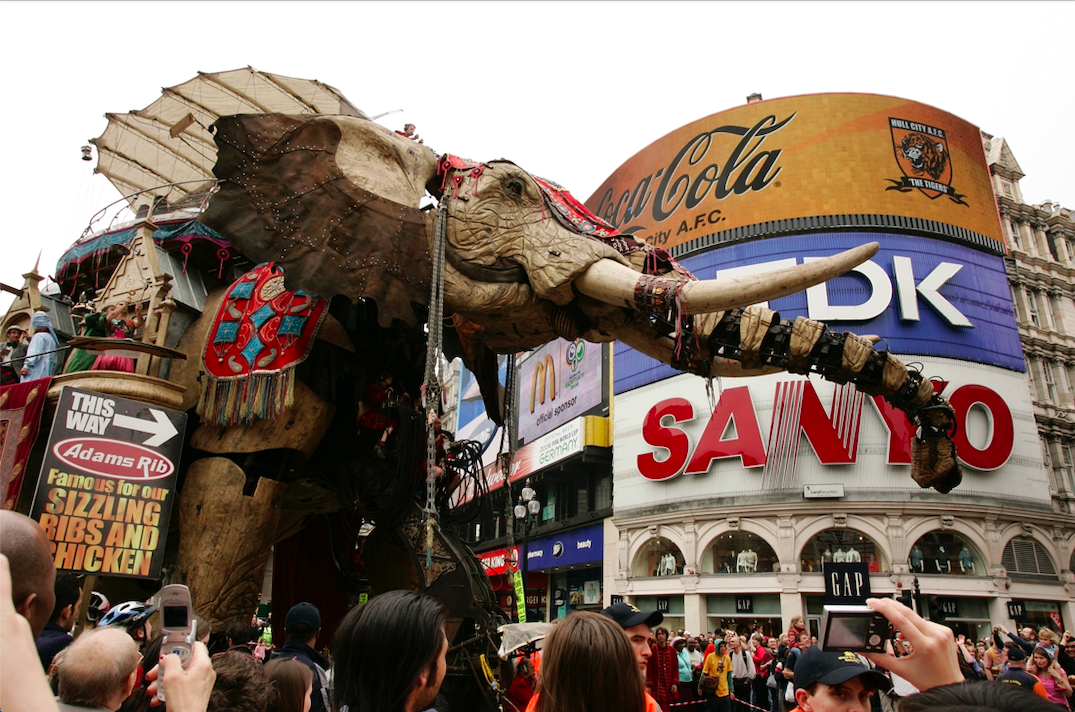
(98, 671)
(33, 574)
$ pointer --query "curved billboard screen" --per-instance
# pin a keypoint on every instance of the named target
(771, 164)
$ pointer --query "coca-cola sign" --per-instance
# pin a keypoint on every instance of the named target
(775, 162)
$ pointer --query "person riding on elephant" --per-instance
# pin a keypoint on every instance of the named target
(42, 359)
(13, 351)
(93, 326)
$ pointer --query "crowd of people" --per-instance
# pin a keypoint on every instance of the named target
(389, 655)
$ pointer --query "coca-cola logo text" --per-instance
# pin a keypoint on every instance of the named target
(697, 173)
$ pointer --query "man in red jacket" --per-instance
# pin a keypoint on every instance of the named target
(662, 671)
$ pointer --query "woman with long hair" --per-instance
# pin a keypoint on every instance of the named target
(292, 684)
(1042, 666)
(588, 664)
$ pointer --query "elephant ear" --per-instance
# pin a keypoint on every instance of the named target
(334, 200)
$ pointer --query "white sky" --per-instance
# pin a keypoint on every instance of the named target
(567, 90)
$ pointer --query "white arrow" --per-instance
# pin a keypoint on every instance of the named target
(162, 430)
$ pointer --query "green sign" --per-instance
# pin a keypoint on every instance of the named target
(520, 596)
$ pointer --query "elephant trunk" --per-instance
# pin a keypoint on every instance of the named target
(616, 284)
(759, 338)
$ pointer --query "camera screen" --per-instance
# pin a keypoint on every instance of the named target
(847, 632)
(175, 617)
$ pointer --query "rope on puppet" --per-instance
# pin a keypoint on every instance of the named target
(260, 333)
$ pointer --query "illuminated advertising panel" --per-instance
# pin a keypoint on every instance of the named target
(924, 297)
(766, 165)
(769, 436)
(558, 382)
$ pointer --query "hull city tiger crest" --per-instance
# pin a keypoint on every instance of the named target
(922, 155)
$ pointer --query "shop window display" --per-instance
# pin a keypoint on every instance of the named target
(659, 557)
(842, 546)
(944, 553)
(739, 553)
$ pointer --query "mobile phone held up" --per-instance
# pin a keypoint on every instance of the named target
(178, 627)
(860, 629)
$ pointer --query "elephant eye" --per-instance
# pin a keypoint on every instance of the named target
(514, 186)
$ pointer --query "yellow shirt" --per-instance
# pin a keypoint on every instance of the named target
(719, 667)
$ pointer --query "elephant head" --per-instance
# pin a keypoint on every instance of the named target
(336, 201)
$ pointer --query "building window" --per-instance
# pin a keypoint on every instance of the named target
(548, 511)
(1068, 466)
(658, 557)
(739, 552)
(941, 552)
(841, 545)
(1026, 558)
(603, 493)
(1032, 308)
(1070, 250)
(1007, 188)
(1050, 383)
(1016, 240)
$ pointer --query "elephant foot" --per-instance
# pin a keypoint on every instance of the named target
(758, 337)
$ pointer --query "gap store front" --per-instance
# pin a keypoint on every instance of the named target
(744, 487)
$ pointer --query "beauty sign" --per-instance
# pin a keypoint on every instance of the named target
(107, 484)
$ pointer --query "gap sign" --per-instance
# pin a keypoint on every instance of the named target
(104, 497)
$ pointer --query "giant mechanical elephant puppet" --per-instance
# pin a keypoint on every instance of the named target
(335, 201)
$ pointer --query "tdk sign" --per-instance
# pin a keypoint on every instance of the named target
(908, 291)
(923, 296)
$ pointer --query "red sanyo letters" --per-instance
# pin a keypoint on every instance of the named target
(833, 439)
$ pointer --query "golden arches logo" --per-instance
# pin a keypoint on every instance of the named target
(545, 370)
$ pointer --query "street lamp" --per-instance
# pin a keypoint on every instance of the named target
(526, 511)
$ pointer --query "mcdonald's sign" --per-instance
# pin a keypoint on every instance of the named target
(544, 375)
(559, 382)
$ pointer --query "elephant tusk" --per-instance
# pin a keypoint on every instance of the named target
(616, 284)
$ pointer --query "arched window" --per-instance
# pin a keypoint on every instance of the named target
(658, 557)
(842, 545)
(1025, 558)
(941, 552)
(739, 552)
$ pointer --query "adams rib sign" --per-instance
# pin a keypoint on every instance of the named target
(107, 484)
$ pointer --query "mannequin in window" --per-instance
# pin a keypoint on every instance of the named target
(916, 559)
(942, 562)
(839, 557)
(966, 561)
(747, 562)
(827, 555)
(853, 555)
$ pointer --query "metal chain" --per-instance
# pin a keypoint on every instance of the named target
(435, 328)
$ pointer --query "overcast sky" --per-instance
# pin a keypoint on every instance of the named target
(567, 90)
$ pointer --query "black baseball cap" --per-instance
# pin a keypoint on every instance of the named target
(303, 618)
(627, 615)
(833, 669)
(1016, 653)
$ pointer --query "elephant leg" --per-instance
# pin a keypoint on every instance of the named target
(226, 536)
(759, 338)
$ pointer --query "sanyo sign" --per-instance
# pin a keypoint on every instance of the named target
(908, 290)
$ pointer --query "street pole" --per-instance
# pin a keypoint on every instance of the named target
(917, 597)
(525, 553)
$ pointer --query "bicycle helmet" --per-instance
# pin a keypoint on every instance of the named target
(99, 605)
(131, 616)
